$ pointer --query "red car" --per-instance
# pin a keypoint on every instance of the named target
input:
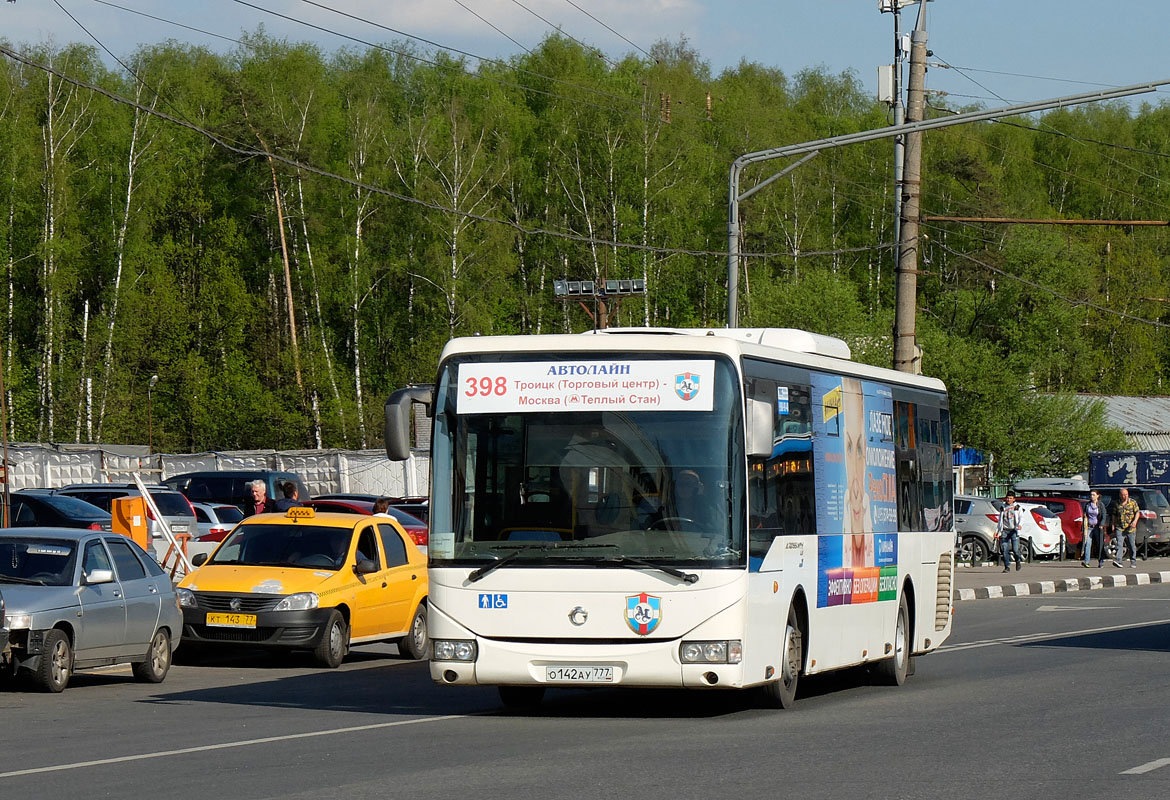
(415, 528)
(1072, 517)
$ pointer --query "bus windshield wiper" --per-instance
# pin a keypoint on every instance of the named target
(482, 571)
(523, 548)
(685, 577)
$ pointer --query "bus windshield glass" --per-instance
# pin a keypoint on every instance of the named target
(634, 458)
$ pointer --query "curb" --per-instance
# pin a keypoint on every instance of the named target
(1085, 584)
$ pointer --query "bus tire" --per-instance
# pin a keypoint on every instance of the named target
(893, 670)
(781, 693)
(521, 697)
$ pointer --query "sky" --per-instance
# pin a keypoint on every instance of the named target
(1051, 47)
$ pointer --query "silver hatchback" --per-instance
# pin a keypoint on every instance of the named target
(976, 521)
(78, 598)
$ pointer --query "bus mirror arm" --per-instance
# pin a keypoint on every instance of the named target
(397, 413)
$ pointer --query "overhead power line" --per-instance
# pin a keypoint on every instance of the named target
(433, 63)
(560, 30)
(611, 30)
(169, 22)
(478, 16)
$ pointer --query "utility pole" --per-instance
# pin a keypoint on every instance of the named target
(907, 354)
(894, 7)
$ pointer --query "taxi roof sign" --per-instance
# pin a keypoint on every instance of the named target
(301, 512)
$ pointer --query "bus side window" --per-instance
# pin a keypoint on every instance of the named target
(781, 487)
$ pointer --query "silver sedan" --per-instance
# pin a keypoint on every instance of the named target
(77, 598)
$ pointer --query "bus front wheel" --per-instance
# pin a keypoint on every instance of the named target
(781, 693)
(893, 670)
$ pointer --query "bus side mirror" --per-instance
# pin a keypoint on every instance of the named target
(759, 428)
(397, 413)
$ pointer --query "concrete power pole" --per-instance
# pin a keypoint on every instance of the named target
(907, 354)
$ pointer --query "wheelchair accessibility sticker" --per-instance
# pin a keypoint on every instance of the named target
(493, 601)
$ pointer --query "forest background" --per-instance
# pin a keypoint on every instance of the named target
(300, 232)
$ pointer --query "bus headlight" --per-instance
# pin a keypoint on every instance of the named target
(722, 652)
(453, 650)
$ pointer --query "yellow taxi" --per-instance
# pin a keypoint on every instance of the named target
(309, 581)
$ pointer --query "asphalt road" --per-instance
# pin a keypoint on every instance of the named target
(1042, 697)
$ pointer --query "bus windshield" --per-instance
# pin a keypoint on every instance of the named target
(600, 487)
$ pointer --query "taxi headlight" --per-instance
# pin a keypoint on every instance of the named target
(186, 598)
(301, 601)
(453, 650)
(721, 652)
(18, 622)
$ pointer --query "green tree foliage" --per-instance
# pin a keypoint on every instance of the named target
(413, 197)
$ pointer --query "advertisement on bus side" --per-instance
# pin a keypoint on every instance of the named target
(856, 491)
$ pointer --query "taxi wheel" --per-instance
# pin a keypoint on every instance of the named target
(334, 644)
(158, 659)
(414, 644)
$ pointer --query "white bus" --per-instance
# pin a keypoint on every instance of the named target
(716, 508)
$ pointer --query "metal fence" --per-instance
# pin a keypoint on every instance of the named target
(323, 471)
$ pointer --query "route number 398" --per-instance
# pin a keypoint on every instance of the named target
(486, 386)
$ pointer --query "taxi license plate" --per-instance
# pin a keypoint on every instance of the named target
(566, 673)
(232, 620)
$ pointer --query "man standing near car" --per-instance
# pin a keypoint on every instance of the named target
(1127, 520)
(1009, 532)
(260, 502)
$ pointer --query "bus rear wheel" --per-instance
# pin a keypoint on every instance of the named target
(893, 670)
(781, 693)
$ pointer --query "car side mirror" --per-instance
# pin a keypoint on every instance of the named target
(199, 560)
(96, 576)
(365, 567)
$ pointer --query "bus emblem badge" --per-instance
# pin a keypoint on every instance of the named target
(686, 385)
(643, 613)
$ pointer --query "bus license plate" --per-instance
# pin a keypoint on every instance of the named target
(232, 620)
(566, 673)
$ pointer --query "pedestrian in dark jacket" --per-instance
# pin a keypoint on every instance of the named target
(291, 497)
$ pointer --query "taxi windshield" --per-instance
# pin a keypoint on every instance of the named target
(307, 546)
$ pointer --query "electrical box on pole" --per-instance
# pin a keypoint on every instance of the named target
(885, 75)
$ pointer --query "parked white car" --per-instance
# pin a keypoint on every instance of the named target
(1040, 531)
(215, 522)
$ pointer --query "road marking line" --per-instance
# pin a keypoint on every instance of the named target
(1075, 608)
(1039, 637)
(228, 745)
(1148, 767)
